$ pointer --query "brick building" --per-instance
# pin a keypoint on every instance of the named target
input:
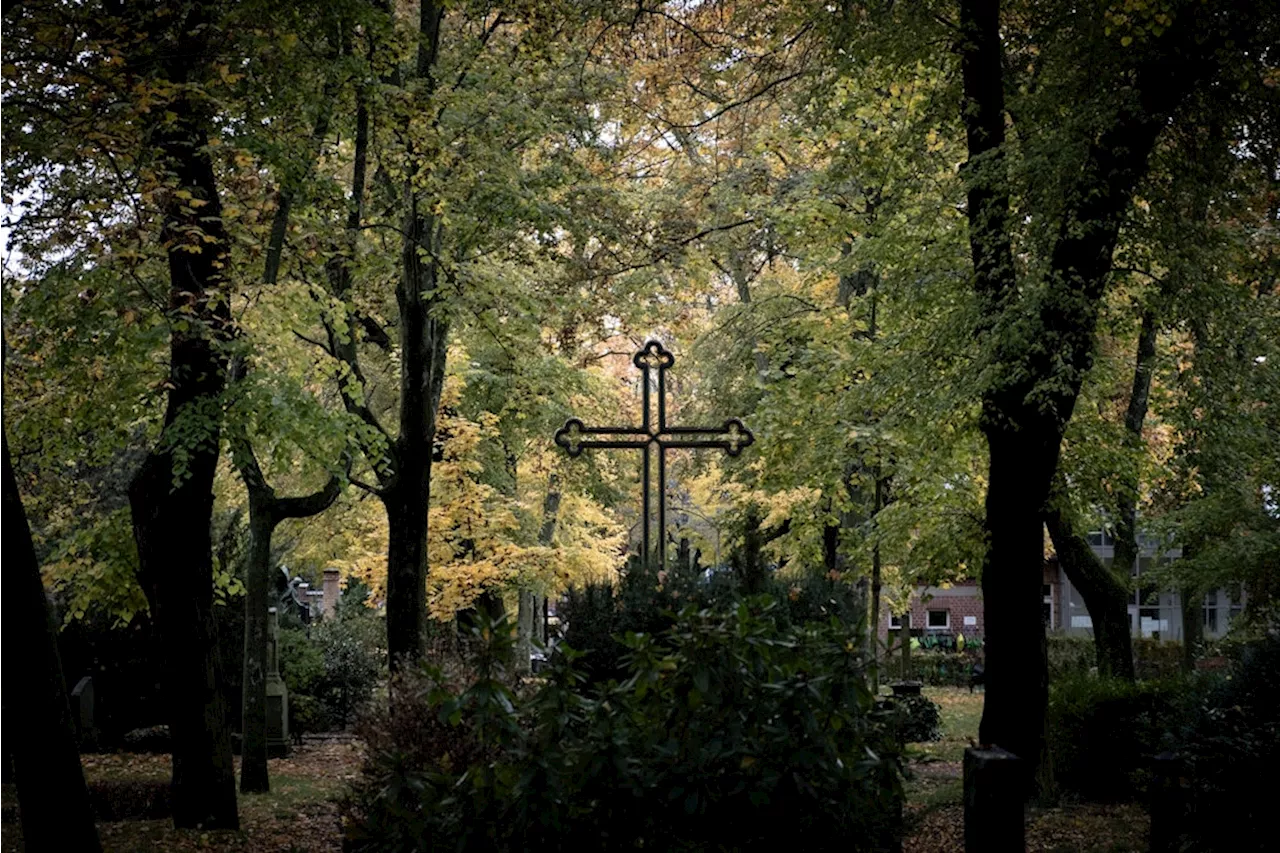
(1155, 613)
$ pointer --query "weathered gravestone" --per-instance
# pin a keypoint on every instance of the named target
(994, 787)
(82, 711)
(277, 693)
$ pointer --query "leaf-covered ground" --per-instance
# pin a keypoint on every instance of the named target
(935, 795)
(297, 815)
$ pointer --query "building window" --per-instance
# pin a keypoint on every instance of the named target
(939, 619)
(1046, 608)
(1101, 539)
(895, 622)
(1211, 612)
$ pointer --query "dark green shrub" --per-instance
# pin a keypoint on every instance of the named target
(645, 601)
(1228, 743)
(1102, 733)
(1156, 659)
(730, 731)
(1069, 656)
(332, 671)
(919, 719)
(936, 669)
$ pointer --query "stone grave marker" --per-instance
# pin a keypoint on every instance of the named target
(277, 694)
(82, 711)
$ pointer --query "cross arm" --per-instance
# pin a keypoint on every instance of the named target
(732, 436)
(575, 437)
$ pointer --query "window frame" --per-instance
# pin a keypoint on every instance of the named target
(928, 620)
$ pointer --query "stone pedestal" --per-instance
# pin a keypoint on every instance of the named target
(994, 788)
(1168, 803)
(277, 694)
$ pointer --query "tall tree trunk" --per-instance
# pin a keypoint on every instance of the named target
(5, 747)
(265, 513)
(424, 333)
(53, 801)
(1016, 669)
(1033, 389)
(1105, 595)
(171, 498)
(873, 617)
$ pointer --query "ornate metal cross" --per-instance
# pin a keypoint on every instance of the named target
(654, 437)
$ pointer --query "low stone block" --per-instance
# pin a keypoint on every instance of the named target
(994, 791)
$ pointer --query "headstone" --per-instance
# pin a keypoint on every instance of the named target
(277, 694)
(82, 711)
(332, 590)
(906, 688)
(994, 785)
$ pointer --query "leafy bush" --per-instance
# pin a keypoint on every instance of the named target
(1152, 659)
(1155, 659)
(919, 719)
(731, 730)
(333, 671)
(936, 669)
(1102, 733)
(646, 601)
(1229, 742)
(1069, 656)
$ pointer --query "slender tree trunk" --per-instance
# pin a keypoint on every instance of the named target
(254, 777)
(1105, 595)
(53, 802)
(1126, 553)
(5, 747)
(530, 604)
(874, 616)
(264, 516)
(266, 511)
(1192, 601)
(406, 574)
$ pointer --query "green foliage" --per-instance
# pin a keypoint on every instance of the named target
(599, 616)
(1072, 656)
(729, 731)
(934, 668)
(1102, 734)
(919, 719)
(332, 670)
(1229, 739)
